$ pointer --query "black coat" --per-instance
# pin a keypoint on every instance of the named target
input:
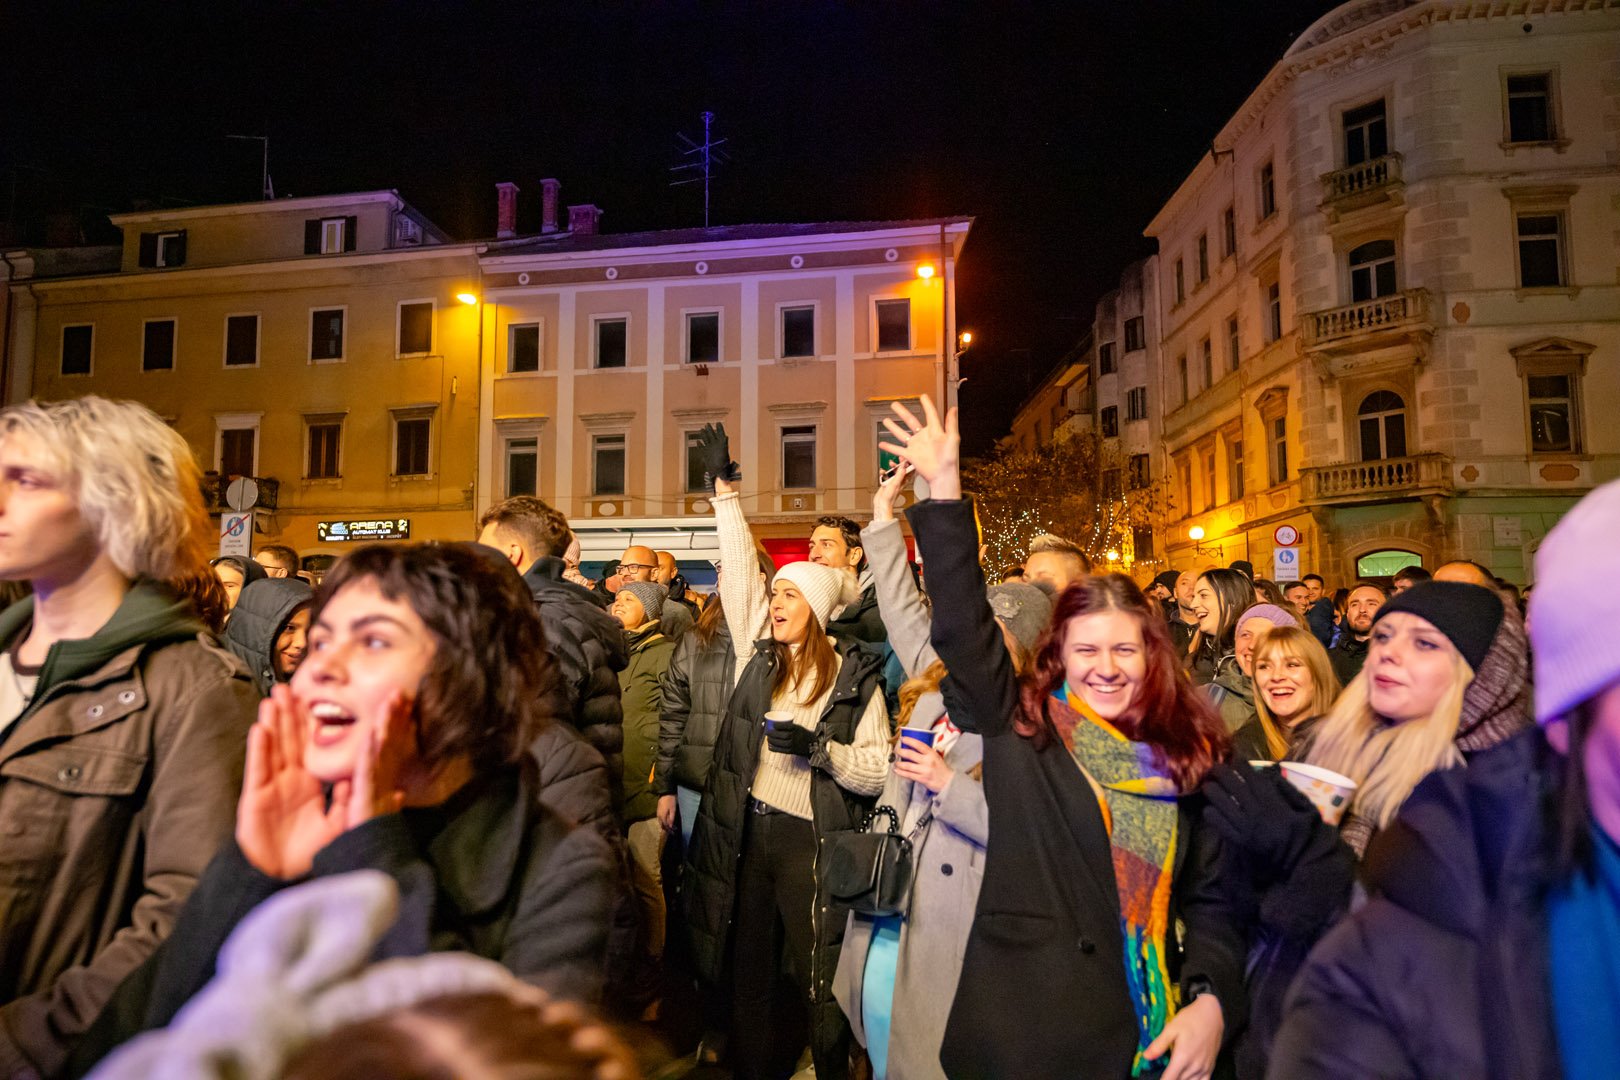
(261, 611)
(1347, 657)
(493, 872)
(1043, 991)
(717, 837)
(861, 622)
(696, 686)
(1445, 973)
(588, 645)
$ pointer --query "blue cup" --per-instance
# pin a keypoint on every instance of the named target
(922, 735)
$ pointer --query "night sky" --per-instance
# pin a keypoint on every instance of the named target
(1062, 127)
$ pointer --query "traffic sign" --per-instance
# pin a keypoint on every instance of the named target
(1286, 536)
(236, 533)
(1285, 564)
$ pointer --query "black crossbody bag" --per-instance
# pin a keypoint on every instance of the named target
(870, 872)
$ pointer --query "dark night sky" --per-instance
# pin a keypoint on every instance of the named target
(1062, 127)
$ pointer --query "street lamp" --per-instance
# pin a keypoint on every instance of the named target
(467, 298)
(1112, 555)
(1196, 532)
(925, 271)
(967, 338)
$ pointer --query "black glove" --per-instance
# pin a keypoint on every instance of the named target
(1261, 813)
(791, 739)
(714, 448)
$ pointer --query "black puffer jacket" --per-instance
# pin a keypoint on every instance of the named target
(861, 622)
(588, 645)
(256, 621)
(696, 687)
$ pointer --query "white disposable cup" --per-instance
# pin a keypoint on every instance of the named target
(1329, 792)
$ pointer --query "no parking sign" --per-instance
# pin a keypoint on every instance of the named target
(236, 533)
(1285, 564)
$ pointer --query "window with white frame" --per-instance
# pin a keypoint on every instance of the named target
(413, 441)
(798, 330)
(1181, 376)
(522, 348)
(323, 435)
(1381, 422)
(1105, 358)
(1552, 371)
(157, 345)
(326, 335)
(1278, 429)
(236, 444)
(334, 235)
(1274, 320)
(1541, 249)
(703, 337)
(171, 249)
(1135, 335)
(522, 466)
(893, 325)
(608, 464)
(78, 348)
(695, 471)
(1229, 232)
(799, 457)
(1366, 136)
(415, 329)
(242, 340)
(1268, 190)
(1136, 403)
(1203, 257)
(1234, 469)
(1372, 270)
(612, 341)
(1530, 107)
(1209, 478)
(1234, 348)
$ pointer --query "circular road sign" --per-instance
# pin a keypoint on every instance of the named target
(242, 494)
(1286, 536)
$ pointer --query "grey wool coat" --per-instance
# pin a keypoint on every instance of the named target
(947, 847)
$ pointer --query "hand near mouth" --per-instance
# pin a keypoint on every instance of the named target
(390, 745)
(283, 817)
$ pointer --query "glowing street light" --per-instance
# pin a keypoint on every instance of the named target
(1113, 555)
(925, 271)
(1196, 532)
(467, 298)
(967, 337)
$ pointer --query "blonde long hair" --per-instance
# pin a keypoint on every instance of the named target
(1388, 760)
(1300, 644)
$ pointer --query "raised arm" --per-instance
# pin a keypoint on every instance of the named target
(899, 603)
(742, 594)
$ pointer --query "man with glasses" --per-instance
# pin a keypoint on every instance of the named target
(640, 563)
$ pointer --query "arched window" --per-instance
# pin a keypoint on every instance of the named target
(1383, 564)
(1383, 426)
(1372, 270)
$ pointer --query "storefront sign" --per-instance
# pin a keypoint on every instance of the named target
(383, 529)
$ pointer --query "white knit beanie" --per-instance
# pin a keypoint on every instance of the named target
(1571, 618)
(824, 589)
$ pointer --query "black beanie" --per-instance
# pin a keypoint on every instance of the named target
(1468, 615)
(1168, 579)
(1244, 567)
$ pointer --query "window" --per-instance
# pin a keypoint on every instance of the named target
(157, 345)
(1184, 485)
(703, 337)
(1234, 469)
(1234, 348)
(1552, 414)
(607, 464)
(1268, 190)
(1181, 281)
(1105, 358)
(694, 465)
(1365, 134)
(612, 337)
(77, 347)
(236, 450)
(893, 325)
(1142, 542)
(798, 331)
(1203, 257)
(241, 340)
(1372, 270)
(798, 457)
(329, 236)
(522, 467)
(1110, 421)
(1137, 471)
(1110, 483)
(325, 441)
(1541, 250)
(1530, 109)
(1229, 232)
(413, 436)
(1209, 479)
(163, 249)
(1274, 323)
(1279, 450)
(1135, 338)
(1208, 351)
(1136, 403)
(1181, 373)
(523, 347)
(326, 335)
(415, 328)
(1382, 419)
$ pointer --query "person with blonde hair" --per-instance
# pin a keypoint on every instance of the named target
(1293, 685)
(124, 721)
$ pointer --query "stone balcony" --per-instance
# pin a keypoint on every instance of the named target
(1385, 480)
(1371, 324)
(1368, 183)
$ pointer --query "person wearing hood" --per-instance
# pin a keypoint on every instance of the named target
(897, 975)
(269, 628)
(1492, 941)
(236, 572)
(124, 721)
(774, 797)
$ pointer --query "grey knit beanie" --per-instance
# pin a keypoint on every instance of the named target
(651, 594)
(1023, 609)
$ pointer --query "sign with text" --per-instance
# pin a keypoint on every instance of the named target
(380, 529)
(236, 533)
(1285, 564)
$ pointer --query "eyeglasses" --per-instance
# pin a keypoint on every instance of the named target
(631, 568)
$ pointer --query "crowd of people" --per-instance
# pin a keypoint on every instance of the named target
(456, 809)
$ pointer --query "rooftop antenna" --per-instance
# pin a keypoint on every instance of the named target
(708, 154)
(267, 189)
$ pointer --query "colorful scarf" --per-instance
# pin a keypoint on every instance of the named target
(1139, 805)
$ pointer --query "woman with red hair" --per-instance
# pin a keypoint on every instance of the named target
(1096, 852)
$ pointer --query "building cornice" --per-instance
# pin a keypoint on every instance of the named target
(956, 231)
(297, 264)
(312, 202)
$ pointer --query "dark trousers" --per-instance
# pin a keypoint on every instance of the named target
(776, 893)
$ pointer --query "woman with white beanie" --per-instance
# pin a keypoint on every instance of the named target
(778, 791)
(1492, 946)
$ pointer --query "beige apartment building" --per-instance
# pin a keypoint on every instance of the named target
(1390, 294)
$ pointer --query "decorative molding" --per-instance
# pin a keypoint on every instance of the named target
(606, 421)
(788, 409)
(711, 413)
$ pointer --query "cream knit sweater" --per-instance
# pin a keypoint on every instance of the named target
(782, 780)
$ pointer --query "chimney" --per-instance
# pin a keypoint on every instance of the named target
(505, 211)
(549, 190)
(582, 220)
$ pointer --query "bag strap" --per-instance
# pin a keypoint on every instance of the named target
(872, 816)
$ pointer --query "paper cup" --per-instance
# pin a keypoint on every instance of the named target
(1328, 791)
(922, 735)
(776, 719)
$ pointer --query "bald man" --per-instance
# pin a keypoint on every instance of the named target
(640, 563)
(669, 576)
(1466, 572)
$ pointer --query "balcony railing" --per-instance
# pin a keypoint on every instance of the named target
(1365, 179)
(1372, 481)
(1385, 313)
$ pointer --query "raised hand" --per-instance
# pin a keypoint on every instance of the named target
(282, 818)
(931, 447)
(888, 491)
(719, 471)
(379, 774)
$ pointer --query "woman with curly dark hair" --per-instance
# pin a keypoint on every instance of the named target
(401, 745)
(1096, 851)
